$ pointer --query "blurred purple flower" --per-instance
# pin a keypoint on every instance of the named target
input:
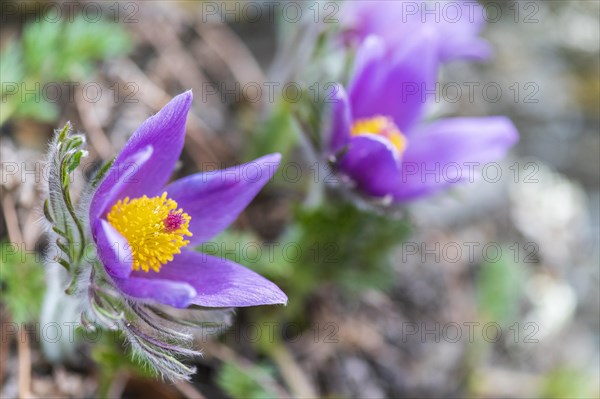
(140, 223)
(454, 25)
(376, 140)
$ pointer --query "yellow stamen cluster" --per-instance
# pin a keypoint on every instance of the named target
(153, 227)
(382, 126)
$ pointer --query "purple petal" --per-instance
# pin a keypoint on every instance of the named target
(123, 174)
(395, 84)
(456, 24)
(221, 282)
(459, 30)
(367, 72)
(341, 119)
(164, 132)
(215, 199)
(113, 249)
(372, 163)
(443, 152)
(468, 48)
(371, 17)
(173, 293)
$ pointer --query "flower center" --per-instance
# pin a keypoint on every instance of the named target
(382, 126)
(153, 227)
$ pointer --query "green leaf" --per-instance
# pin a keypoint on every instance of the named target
(277, 134)
(11, 68)
(73, 142)
(37, 108)
(249, 250)
(63, 50)
(112, 360)
(65, 131)
(349, 245)
(83, 42)
(74, 160)
(102, 172)
(500, 287)
(47, 214)
(569, 383)
(244, 383)
(8, 109)
(41, 44)
(343, 245)
(22, 281)
(52, 51)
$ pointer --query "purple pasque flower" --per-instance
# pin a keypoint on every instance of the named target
(376, 138)
(141, 225)
(455, 25)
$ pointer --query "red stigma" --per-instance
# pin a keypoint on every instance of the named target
(173, 221)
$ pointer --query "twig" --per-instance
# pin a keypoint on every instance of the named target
(176, 59)
(12, 220)
(226, 354)
(291, 372)
(4, 344)
(24, 364)
(232, 51)
(93, 128)
(316, 190)
(155, 97)
(292, 54)
(32, 230)
(116, 388)
(188, 390)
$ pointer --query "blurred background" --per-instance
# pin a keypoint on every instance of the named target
(496, 291)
